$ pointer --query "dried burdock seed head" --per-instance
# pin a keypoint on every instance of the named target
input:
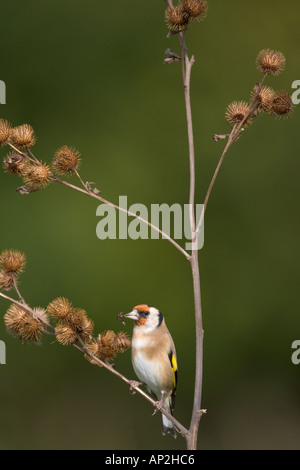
(95, 349)
(59, 308)
(14, 317)
(41, 315)
(66, 160)
(122, 342)
(107, 353)
(6, 280)
(81, 324)
(13, 261)
(37, 176)
(23, 324)
(282, 105)
(23, 136)
(176, 17)
(236, 112)
(195, 8)
(107, 338)
(110, 344)
(5, 131)
(65, 334)
(271, 62)
(87, 328)
(30, 330)
(107, 347)
(264, 98)
(76, 318)
(14, 163)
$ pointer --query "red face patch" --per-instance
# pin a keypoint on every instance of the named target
(141, 321)
(142, 307)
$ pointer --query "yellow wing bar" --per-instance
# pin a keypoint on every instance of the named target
(174, 369)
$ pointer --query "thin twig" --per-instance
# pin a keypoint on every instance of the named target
(26, 307)
(25, 155)
(233, 137)
(81, 181)
(33, 156)
(17, 291)
(98, 362)
(191, 437)
(129, 213)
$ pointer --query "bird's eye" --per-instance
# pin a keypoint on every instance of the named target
(146, 313)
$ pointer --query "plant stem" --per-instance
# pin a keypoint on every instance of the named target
(191, 438)
(98, 361)
(17, 291)
(233, 136)
(109, 367)
(21, 153)
(129, 213)
(26, 307)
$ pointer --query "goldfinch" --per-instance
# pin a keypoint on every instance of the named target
(154, 358)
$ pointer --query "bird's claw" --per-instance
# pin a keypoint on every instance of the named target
(133, 384)
(157, 407)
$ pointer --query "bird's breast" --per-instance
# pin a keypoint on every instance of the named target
(148, 371)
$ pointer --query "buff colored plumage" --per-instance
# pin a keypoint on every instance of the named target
(154, 358)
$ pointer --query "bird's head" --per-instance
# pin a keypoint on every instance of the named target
(145, 316)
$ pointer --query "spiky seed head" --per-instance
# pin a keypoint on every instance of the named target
(236, 112)
(14, 317)
(23, 136)
(13, 261)
(5, 131)
(196, 8)
(108, 345)
(22, 323)
(95, 349)
(66, 160)
(76, 318)
(6, 280)
(65, 334)
(37, 176)
(107, 353)
(176, 17)
(59, 308)
(81, 324)
(107, 338)
(107, 349)
(14, 163)
(41, 315)
(87, 328)
(264, 98)
(271, 62)
(122, 342)
(31, 330)
(282, 105)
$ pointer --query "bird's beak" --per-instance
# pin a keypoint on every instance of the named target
(132, 315)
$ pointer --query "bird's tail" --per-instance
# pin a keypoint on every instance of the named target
(167, 427)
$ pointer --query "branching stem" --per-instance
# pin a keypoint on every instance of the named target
(81, 347)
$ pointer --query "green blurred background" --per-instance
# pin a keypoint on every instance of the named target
(91, 75)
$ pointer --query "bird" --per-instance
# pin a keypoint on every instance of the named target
(154, 359)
